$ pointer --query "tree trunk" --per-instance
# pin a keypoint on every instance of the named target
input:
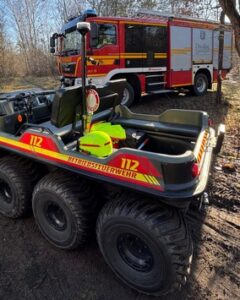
(230, 10)
(220, 58)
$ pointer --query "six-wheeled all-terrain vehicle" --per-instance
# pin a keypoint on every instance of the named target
(136, 174)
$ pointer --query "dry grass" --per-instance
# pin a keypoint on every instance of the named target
(231, 91)
(18, 83)
(231, 94)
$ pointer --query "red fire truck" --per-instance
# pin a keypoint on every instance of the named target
(154, 54)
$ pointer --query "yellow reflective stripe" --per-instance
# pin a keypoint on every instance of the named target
(155, 181)
(151, 179)
(202, 61)
(16, 143)
(180, 51)
(182, 84)
(90, 165)
(147, 179)
(133, 55)
(96, 75)
(106, 21)
(105, 56)
(160, 55)
(202, 147)
(106, 62)
(141, 55)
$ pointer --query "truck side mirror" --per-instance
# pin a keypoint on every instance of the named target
(94, 35)
(52, 41)
(52, 50)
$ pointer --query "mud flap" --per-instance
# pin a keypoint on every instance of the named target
(220, 138)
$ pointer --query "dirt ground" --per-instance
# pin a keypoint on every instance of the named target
(30, 268)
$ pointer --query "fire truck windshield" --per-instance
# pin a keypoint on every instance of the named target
(72, 41)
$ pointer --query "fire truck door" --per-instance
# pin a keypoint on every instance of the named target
(133, 52)
(202, 45)
(106, 51)
(155, 46)
(180, 56)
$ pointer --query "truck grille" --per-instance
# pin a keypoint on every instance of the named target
(69, 68)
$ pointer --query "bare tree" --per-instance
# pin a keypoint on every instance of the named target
(28, 20)
(231, 11)
(206, 9)
(68, 8)
(2, 45)
(220, 58)
(199, 8)
(114, 7)
(195, 8)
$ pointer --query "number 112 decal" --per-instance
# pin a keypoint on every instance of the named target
(129, 164)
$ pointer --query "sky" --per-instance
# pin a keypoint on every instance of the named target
(50, 21)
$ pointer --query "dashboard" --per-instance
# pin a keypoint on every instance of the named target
(20, 101)
(34, 107)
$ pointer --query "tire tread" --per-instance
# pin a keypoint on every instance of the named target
(24, 174)
(167, 223)
(78, 196)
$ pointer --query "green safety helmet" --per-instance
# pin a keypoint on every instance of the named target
(96, 143)
(114, 131)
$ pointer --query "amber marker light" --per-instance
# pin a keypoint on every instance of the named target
(19, 118)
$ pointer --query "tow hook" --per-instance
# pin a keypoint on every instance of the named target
(204, 201)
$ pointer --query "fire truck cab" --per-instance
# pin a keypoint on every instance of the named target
(155, 54)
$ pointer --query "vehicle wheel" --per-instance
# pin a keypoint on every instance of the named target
(200, 85)
(146, 244)
(64, 209)
(128, 95)
(17, 178)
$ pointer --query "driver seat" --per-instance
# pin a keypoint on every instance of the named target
(66, 107)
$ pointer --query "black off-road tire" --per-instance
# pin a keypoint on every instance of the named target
(17, 178)
(128, 95)
(200, 86)
(65, 209)
(146, 244)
